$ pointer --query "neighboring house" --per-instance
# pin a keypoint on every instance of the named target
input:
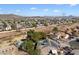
(39, 25)
(74, 43)
(19, 26)
(47, 45)
(1, 26)
(62, 36)
(18, 43)
(8, 28)
(66, 36)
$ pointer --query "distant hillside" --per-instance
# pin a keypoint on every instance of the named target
(11, 17)
(18, 17)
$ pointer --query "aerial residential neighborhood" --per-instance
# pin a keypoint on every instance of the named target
(39, 29)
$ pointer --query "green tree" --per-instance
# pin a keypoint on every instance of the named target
(35, 36)
(55, 30)
(13, 25)
(34, 24)
(45, 24)
(5, 25)
(29, 47)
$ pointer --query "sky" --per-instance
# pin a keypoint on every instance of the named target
(40, 9)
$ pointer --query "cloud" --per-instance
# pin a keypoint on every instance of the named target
(72, 5)
(33, 8)
(18, 10)
(56, 10)
(46, 9)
